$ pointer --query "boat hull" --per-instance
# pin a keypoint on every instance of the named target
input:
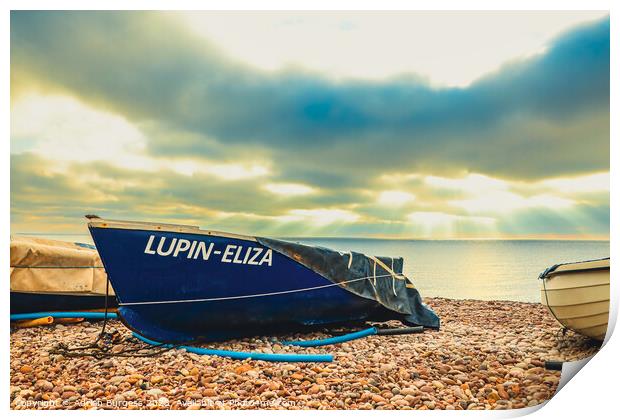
(217, 290)
(577, 295)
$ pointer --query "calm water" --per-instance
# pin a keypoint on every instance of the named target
(506, 270)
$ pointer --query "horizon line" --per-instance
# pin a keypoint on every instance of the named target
(386, 238)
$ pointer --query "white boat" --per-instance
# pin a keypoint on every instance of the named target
(577, 295)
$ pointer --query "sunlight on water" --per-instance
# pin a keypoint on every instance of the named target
(461, 269)
(506, 270)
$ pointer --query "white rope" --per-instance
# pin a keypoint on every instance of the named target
(374, 274)
(252, 296)
(393, 279)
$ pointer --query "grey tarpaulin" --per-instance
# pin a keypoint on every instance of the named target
(382, 282)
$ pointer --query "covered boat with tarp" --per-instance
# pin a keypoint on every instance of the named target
(177, 283)
(50, 275)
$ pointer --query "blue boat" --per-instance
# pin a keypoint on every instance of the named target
(178, 283)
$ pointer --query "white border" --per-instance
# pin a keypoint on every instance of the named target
(592, 394)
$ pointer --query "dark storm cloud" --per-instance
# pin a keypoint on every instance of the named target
(85, 185)
(544, 116)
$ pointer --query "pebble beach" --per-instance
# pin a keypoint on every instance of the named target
(487, 355)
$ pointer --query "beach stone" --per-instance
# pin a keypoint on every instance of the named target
(458, 392)
(461, 377)
(130, 395)
(209, 392)
(386, 367)
(195, 395)
(430, 405)
(25, 369)
(67, 394)
(493, 396)
(268, 395)
(156, 379)
(438, 384)
(133, 379)
(503, 405)
(501, 391)
(314, 389)
(115, 380)
(242, 369)
(44, 385)
(380, 372)
(409, 391)
(377, 398)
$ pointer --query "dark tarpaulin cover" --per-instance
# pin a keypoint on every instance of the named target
(395, 293)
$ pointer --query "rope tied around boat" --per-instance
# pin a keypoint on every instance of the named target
(102, 347)
(103, 344)
(105, 351)
(283, 292)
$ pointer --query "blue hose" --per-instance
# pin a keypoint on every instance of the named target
(240, 355)
(333, 340)
(328, 358)
(86, 315)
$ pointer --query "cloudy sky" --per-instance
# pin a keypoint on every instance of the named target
(408, 124)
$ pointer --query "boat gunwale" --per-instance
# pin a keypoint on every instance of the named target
(163, 227)
(573, 271)
(562, 268)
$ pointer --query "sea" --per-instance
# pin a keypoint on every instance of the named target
(463, 269)
(474, 269)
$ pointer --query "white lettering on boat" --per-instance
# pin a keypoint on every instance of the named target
(236, 260)
(257, 252)
(160, 247)
(266, 258)
(227, 252)
(182, 245)
(232, 254)
(191, 250)
(148, 249)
